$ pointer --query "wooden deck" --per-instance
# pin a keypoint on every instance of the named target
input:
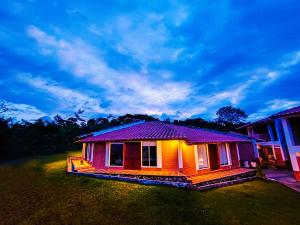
(219, 175)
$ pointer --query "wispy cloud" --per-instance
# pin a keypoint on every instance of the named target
(136, 91)
(161, 57)
(24, 111)
(272, 107)
(68, 99)
(291, 59)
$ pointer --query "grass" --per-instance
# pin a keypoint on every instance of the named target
(38, 191)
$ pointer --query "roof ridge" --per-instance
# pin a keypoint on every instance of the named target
(120, 127)
(160, 130)
(282, 111)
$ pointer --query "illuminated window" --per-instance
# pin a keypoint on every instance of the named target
(149, 154)
(116, 154)
(223, 153)
(202, 157)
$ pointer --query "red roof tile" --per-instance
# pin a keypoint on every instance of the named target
(161, 131)
(287, 112)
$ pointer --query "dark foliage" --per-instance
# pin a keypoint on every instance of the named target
(24, 138)
(231, 115)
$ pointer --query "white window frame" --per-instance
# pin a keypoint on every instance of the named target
(180, 159)
(110, 143)
(83, 150)
(150, 143)
(88, 147)
(228, 154)
(197, 157)
(238, 152)
(92, 152)
(226, 150)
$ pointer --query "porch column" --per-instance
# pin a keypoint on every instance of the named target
(291, 147)
(83, 150)
(255, 149)
(270, 131)
(249, 131)
(281, 139)
(180, 161)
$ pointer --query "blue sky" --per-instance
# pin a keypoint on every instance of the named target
(166, 58)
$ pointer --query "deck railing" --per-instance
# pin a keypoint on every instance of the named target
(69, 162)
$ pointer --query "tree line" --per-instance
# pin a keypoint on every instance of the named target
(24, 138)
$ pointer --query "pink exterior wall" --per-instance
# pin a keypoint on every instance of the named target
(246, 151)
(188, 158)
(169, 151)
(278, 155)
(99, 156)
(170, 160)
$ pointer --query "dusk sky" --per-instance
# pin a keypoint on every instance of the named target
(181, 58)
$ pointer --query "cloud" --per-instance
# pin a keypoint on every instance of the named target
(167, 57)
(291, 59)
(127, 91)
(24, 111)
(272, 107)
(145, 37)
(68, 99)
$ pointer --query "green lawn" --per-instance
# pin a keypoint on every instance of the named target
(38, 191)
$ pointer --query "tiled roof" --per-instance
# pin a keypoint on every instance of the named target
(287, 112)
(156, 130)
(292, 111)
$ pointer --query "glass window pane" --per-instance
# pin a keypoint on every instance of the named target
(116, 154)
(153, 156)
(223, 152)
(202, 157)
(145, 156)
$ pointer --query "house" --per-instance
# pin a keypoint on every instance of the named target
(278, 138)
(159, 148)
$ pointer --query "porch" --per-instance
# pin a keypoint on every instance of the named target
(161, 177)
(271, 154)
(221, 176)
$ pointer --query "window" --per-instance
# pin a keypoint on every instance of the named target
(223, 153)
(149, 154)
(116, 154)
(202, 157)
(270, 151)
(88, 151)
(295, 129)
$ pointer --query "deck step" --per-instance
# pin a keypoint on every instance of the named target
(87, 169)
(204, 182)
(220, 184)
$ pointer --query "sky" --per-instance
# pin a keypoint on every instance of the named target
(170, 59)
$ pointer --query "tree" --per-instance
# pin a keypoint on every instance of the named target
(5, 107)
(231, 115)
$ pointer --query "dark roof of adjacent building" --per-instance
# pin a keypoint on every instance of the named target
(287, 112)
(156, 130)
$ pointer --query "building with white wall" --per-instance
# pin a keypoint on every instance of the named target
(278, 138)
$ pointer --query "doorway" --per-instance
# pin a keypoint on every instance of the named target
(132, 156)
(214, 157)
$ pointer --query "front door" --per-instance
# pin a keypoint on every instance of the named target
(132, 156)
(213, 157)
(234, 155)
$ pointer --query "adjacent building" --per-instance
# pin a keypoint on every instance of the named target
(278, 138)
